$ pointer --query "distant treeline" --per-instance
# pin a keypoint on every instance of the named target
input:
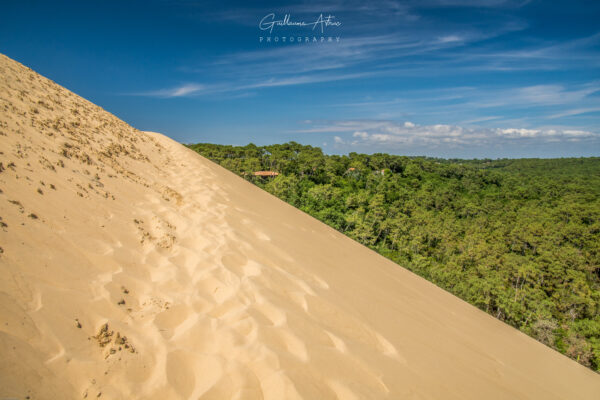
(520, 239)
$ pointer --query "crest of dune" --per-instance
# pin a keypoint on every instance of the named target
(133, 268)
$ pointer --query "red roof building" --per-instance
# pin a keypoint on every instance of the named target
(266, 173)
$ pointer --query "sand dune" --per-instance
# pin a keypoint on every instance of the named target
(131, 267)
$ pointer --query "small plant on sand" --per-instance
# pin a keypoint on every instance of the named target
(106, 337)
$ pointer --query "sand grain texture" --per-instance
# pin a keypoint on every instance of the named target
(133, 268)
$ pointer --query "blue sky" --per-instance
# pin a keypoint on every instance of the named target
(445, 78)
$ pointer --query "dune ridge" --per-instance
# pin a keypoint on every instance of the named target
(131, 267)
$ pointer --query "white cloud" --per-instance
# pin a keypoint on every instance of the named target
(575, 132)
(361, 134)
(391, 133)
(522, 132)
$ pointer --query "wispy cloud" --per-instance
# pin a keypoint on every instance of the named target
(450, 38)
(288, 65)
(301, 80)
(351, 58)
(544, 55)
(553, 94)
(185, 90)
(577, 111)
(475, 3)
(195, 90)
(469, 105)
(481, 119)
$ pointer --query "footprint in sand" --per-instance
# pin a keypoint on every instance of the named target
(221, 284)
(252, 268)
(262, 236)
(342, 391)
(247, 327)
(388, 349)
(338, 343)
(229, 309)
(180, 373)
(294, 345)
(169, 320)
(299, 298)
(240, 265)
(275, 315)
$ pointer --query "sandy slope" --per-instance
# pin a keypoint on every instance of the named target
(210, 287)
